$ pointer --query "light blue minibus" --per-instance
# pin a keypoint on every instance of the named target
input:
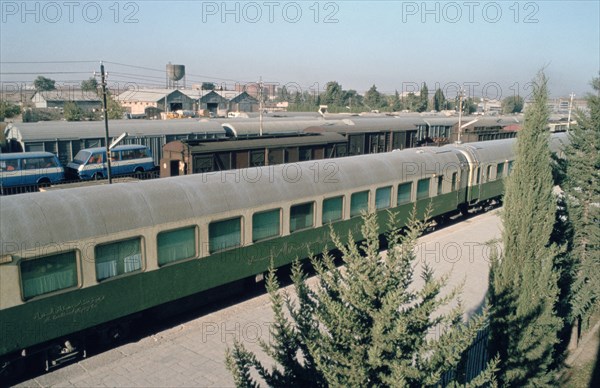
(29, 168)
(91, 163)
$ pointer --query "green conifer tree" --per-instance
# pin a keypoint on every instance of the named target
(583, 196)
(523, 287)
(363, 325)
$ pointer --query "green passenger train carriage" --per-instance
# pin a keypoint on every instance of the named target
(77, 260)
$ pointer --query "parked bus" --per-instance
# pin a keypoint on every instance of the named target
(91, 163)
(29, 169)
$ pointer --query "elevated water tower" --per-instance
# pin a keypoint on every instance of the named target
(175, 73)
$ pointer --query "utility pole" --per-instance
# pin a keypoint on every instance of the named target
(260, 116)
(105, 111)
(570, 108)
(460, 97)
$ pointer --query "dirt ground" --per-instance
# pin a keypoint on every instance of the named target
(583, 365)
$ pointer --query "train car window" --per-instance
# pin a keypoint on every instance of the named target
(477, 175)
(276, 156)
(440, 185)
(257, 158)
(404, 193)
(305, 153)
(423, 188)
(454, 176)
(333, 209)
(118, 258)
(488, 176)
(203, 164)
(510, 166)
(359, 202)
(266, 224)
(176, 245)
(223, 235)
(499, 170)
(48, 274)
(301, 216)
(383, 197)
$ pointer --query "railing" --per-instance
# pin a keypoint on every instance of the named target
(474, 362)
(123, 178)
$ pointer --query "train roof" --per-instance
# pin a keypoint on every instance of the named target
(196, 146)
(251, 127)
(64, 216)
(52, 130)
(490, 151)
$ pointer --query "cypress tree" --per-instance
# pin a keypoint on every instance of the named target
(583, 196)
(523, 286)
(363, 325)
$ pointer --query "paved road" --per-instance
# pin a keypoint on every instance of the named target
(192, 353)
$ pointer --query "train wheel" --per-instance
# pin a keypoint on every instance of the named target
(10, 370)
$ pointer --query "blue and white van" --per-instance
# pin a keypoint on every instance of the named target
(91, 163)
(29, 168)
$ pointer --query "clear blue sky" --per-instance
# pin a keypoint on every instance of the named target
(489, 47)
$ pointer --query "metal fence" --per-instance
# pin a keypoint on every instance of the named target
(474, 362)
(133, 177)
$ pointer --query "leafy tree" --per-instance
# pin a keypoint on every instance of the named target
(423, 99)
(373, 98)
(468, 105)
(207, 86)
(439, 101)
(512, 104)
(8, 110)
(583, 195)
(42, 84)
(364, 325)
(353, 100)
(523, 287)
(333, 94)
(413, 102)
(72, 111)
(90, 85)
(283, 94)
(396, 103)
(115, 110)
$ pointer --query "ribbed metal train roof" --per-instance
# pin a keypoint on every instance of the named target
(52, 130)
(62, 216)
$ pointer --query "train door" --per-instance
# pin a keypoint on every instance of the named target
(174, 168)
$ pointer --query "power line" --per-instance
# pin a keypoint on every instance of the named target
(44, 72)
(44, 62)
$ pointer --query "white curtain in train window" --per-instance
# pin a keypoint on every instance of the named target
(301, 216)
(224, 234)
(118, 258)
(383, 197)
(48, 274)
(176, 245)
(359, 202)
(266, 224)
(333, 209)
